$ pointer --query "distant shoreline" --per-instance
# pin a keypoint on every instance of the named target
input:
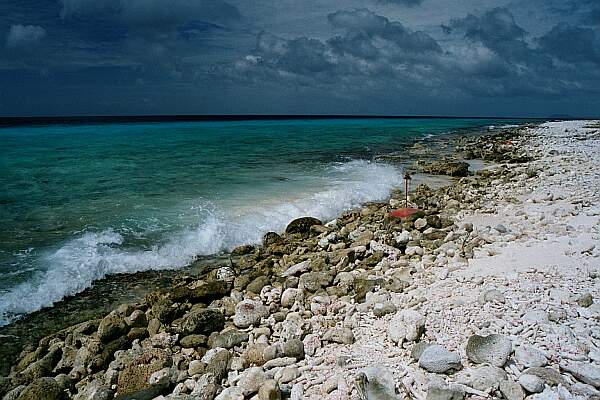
(108, 119)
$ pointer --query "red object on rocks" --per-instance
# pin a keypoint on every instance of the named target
(403, 212)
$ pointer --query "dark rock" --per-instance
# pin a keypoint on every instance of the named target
(301, 225)
(202, 322)
(313, 281)
(227, 339)
(165, 310)
(218, 364)
(111, 327)
(293, 348)
(243, 250)
(451, 168)
(41, 388)
(271, 238)
(257, 284)
(363, 285)
(137, 333)
(193, 341)
(200, 291)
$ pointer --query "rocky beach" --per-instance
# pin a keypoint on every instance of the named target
(489, 291)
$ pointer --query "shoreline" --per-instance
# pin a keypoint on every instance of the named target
(348, 286)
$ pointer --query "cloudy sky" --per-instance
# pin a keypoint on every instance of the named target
(400, 57)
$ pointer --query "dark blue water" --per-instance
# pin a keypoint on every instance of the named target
(78, 202)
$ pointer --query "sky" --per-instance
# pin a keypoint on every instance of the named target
(380, 57)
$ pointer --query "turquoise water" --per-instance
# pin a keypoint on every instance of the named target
(79, 202)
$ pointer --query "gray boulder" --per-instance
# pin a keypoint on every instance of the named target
(437, 359)
(493, 349)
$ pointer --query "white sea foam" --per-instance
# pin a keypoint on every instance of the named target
(93, 255)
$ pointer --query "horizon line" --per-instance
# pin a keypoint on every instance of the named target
(49, 119)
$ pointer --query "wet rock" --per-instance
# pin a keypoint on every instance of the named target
(529, 356)
(228, 339)
(248, 313)
(451, 168)
(532, 383)
(437, 359)
(584, 371)
(407, 325)
(41, 388)
(137, 319)
(511, 390)
(339, 335)
(271, 238)
(111, 327)
(204, 321)
(200, 291)
(301, 225)
(243, 250)
(493, 349)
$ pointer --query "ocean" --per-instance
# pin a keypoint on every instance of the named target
(82, 201)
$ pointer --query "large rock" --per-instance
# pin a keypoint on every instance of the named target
(203, 321)
(511, 390)
(451, 168)
(134, 379)
(302, 225)
(228, 339)
(437, 359)
(200, 291)
(217, 361)
(248, 313)
(493, 349)
(313, 281)
(111, 327)
(41, 388)
(549, 375)
(584, 371)
(407, 325)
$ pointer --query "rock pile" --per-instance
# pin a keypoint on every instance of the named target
(364, 307)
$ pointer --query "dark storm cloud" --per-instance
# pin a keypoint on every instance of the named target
(228, 56)
(496, 29)
(150, 14)
(572, 44)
